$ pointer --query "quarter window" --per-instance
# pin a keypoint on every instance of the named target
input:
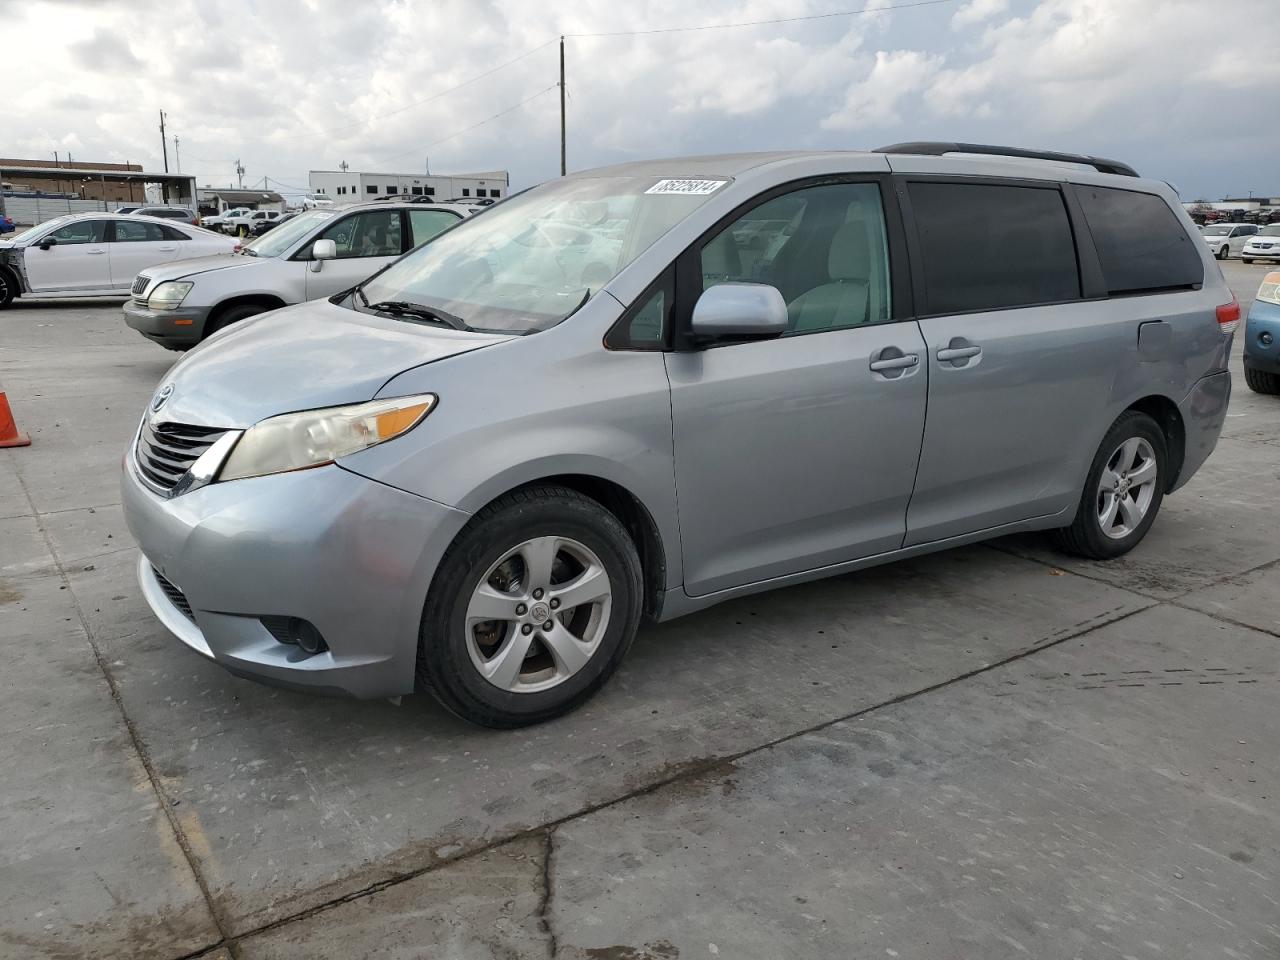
(1141, 244)
(987, 246)
(824, 248)
(82, 231)
(372, 234)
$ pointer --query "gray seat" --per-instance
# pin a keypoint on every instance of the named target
(845, 300)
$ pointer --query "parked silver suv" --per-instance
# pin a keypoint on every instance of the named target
(315, 254)
(639, 391)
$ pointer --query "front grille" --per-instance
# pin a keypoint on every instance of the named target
(166, 451)
(176, 596)
(139, 284)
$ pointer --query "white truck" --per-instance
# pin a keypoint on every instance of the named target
(220, 221)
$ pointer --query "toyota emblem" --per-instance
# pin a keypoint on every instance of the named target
(161, 397)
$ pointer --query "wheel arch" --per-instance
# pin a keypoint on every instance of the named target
(1167, 416)
(630, 511)
(268, 301)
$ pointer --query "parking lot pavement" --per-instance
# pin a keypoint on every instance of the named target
(982, 752)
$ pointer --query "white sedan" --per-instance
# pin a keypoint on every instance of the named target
(96, 254)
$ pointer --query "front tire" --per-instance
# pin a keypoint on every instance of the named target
(231, 315)
(533, 607)
(8, 288)
(1262, 381)
(1123, 491)
(1245, 260)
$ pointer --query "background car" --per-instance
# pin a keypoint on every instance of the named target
(1262, 338)
(262, 226)
(313, 201)
(316, 254)
(95, 254)
(243, 224)
(218, 220)
(1227, 239)
(1263, 245)
(6, 224)
(184, 214)
(124, 210)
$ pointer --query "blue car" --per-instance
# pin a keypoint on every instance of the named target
(6, 224)
(1262, 338)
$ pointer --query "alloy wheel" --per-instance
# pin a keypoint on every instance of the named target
(1126, 488)
(538, 614)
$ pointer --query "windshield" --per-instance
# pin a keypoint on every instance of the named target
(530, 261)
(1214, 230)
(276, 241)
(32, 232)
(1272, 231)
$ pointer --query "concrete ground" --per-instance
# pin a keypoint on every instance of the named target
(993, 752)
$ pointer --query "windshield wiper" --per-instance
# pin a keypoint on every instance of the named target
(417, 311)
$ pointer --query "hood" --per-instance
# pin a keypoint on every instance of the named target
(178, 269)
(302, 357)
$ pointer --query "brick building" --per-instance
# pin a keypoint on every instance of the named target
(79, 180)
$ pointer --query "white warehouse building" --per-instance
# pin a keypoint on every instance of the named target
(352, 186)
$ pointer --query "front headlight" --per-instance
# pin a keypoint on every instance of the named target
(1270, 289)
(313, 438)
(168, 295)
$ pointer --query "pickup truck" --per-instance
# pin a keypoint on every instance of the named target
(220, 221)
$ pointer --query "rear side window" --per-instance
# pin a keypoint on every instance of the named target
(1141, 244)
(986, 247)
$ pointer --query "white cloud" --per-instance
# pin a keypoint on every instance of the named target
(873, 101)
(976, 11)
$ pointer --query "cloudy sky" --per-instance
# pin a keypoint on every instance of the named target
(1185, 90)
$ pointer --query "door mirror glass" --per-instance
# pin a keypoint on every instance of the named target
(740, 311)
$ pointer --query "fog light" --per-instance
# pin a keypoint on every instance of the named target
(1266, 339)
(297, 632)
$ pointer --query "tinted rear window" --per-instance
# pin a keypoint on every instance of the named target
(987, 246)
(1141, 244)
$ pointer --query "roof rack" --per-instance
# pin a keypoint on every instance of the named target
(937, 148)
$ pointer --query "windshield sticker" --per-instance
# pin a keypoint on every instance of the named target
(695, 188)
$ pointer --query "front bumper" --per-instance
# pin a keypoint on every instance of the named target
(353, 556)
(1204, 411)
(176, 329)
(1271, 253)
(1264, 318)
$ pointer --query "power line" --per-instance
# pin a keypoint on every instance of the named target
(501, 113)
(759, 23)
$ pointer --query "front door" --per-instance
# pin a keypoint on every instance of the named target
(799, 452)
(77, 260)
(136, 246)
(366, 243)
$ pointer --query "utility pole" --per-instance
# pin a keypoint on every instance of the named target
(177, 156)
(164, 149)
(343, 166)
(563, 167)
(239, 173)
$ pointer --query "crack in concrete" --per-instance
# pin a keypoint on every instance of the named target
(135, 737)
(548, 890)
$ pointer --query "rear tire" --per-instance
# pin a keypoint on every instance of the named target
(1221, 254)
(1115, 512)
(1262, 381)
(8, 288)
(460, 656)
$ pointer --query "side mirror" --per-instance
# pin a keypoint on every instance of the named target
(740, 311)
(321, 251)
(48, 242)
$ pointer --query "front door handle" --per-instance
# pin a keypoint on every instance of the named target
(895, 363)
(958, 353)
(94, 253)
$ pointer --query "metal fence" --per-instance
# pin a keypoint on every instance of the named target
(28, 210)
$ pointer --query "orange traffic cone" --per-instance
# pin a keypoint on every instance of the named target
(10, 435)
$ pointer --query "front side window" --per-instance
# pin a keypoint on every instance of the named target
(81, 231)
(372, 234)
(1141, 245)
(825, 248)
(129, 231)
(428, 223)
(528, 263)
(991, 246)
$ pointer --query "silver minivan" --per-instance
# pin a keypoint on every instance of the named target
(638, 391)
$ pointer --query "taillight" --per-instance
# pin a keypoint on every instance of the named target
(238, 247)
(1229, 316)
